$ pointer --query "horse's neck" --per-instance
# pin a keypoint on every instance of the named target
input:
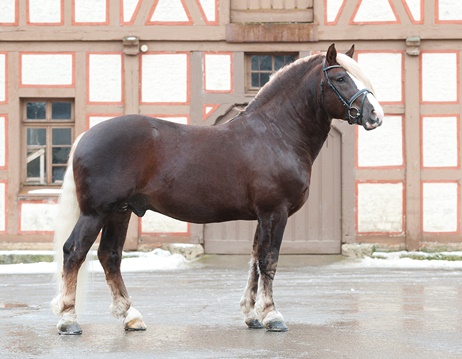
(299, 118)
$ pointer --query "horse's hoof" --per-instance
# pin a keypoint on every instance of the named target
(69, 329)
(135, 325)
(254, 324)
(276, 326)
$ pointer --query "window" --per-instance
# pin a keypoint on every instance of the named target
(48, 127)
(261, 66)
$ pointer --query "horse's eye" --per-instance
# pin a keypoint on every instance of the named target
(341, 79)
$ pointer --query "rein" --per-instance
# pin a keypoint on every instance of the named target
(354, 115)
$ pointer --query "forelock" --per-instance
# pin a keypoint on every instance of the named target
(353, 68)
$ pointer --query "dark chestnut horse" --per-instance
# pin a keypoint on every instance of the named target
(255, 167)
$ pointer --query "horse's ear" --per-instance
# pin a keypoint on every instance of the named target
(351, 51)
(331, 55)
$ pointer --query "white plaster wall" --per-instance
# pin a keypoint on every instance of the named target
(7, 11)
(153, 222)
(450, 10)
(2, 207)
(2, 77)
(105, 78)
(440, 207)
(209, 8)
(415, 8)
(381, 147)
(439, 77)
(374, 11)
(164, 78)
(37, 217)
(380, 207)
(94, 120)
(217, 72)
(129, 7)
(176, 119)
(385, 72)
(45, 11)
(3, 135)
(169, 11)
(440, 141)
(332, 9)
(47, 69)
(93, 11)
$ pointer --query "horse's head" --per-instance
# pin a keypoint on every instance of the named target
(349, 94)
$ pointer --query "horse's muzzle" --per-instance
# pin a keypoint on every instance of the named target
(372, 123)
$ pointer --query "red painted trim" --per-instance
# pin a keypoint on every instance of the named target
(231, 71)
(134, 15)
(44, 23)
(422, 144)
(206, 115)
(188, 78)
(79, 23)
(46, 85)
(6, 149)
(340, 10)
(357, 53)
(437, 16)
(457, 231)
(6, 77)
(16, 16)
(358, 5)
(403, 200)
(162, 23)
(204, 17)
(409, 13)
(122, 83)
(5, 207)
(457, 53)
(154, 234)
(87, 120)
(391, 167)
(20, 215)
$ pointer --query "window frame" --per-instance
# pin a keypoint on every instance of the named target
(49, 124)
(249, 89)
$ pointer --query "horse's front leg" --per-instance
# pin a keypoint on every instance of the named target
(271, 230)
(110, 256)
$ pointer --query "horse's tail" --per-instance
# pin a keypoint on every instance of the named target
(68, 214)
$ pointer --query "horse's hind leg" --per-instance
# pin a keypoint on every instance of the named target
(75, 250)
(110, 256)
(250, 292)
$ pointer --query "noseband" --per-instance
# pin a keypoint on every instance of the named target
(354, 115)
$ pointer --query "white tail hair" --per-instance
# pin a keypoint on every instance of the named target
(68, 214)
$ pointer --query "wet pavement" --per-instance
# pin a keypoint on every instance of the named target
(333, 310)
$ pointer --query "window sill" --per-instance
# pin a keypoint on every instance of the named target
(39, 192)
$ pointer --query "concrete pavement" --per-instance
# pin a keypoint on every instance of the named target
(333, 310)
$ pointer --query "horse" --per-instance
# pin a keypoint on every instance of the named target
(257, 166)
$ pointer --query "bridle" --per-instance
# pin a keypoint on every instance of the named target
(354, 115)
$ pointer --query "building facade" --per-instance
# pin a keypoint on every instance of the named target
(66, 65)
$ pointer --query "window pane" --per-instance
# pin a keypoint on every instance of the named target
(36, 110)
(36, 137)
(61, 136)
(255, 80)
(60, 155)
(61, 111)
(255, 63)
(36, 166)
(58, 174)
(266, 63)
(279, 62)
(264, 78)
